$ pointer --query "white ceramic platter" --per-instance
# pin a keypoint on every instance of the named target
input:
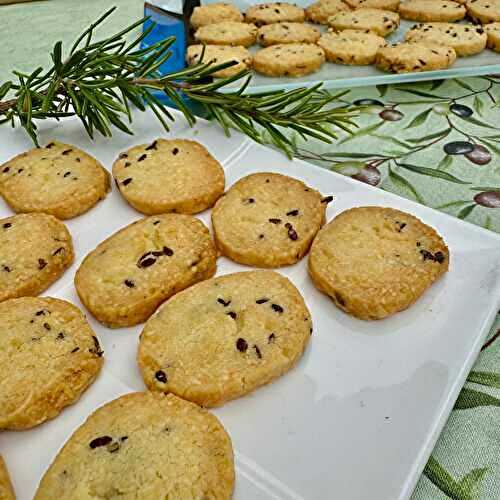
(359, 415)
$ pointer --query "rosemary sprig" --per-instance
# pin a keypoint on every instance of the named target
(98, 81)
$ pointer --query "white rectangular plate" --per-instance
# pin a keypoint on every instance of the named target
(359, 415)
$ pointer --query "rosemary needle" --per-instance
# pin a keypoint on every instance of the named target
(98, 81)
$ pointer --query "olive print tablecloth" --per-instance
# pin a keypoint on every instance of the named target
(437, 143)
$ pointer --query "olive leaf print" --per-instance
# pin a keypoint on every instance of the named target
(467, 488)
(430, 142)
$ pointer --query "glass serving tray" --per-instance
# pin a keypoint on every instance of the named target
(342, 76)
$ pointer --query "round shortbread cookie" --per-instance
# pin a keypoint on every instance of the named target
(374, 4)
(223, 338)
(49, 355)
(144, 446)
(493, 33)
(465, 39)
(6, 489)
(351, 46)
(59, 180)
(132, 272)
(169, 175)
(273, 34)
(215, 13)
(432, 10)
(290, 59)
(276, 12)
(218, 54)
(35, 250)
(381, 22)
(227, 33)
(414, 56)
(320, 11)
(484, 11)
(267, 220)
(374, 261)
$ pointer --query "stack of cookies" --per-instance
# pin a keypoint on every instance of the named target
(206, 340)
(356, 35)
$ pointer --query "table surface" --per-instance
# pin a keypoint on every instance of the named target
(400, 146)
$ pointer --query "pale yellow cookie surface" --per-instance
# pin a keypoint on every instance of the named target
(408, 57)
(273, 34)
(493, 32)
(484, 11)
(6, 489)
(35, 250)
(169, 175)
(320, 11)
(227, 33)
(215, 13)
(351, 46)
(267, 220)
(223, 338)
(218, 54)
(59, 180)
(131, 273)
(49, 355)
(144, 446)
(432, 10)
(291, 59)
(374, 4)
(380, 22)
(276, 12)
(465, 39)
(374, 261)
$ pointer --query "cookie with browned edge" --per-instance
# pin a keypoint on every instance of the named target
(144, 445)
(273, 34)
(484, 11)
(375, 261)
(320, 11)
(274, 12)
(380, 22)
(132, 272)
(169, 175)
(267, 220)
(218, 12)
(35, 250)
(49, 355)
(59, 180)
(426, 11)
(6, 489)
(224, 337)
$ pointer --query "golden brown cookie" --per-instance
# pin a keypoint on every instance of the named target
(291, 59)
(169, 175)
(49, 355)
(132, 272)
(267, 220)
(274, 12)
(465, 39)
(351, 46)
(374, 261)
(320, 11)
(6, 489)
(493, 32)
(484, 11)
(227, 33)
(273, 34)
(215, 13)
(59, 180)
(374, 4)
(35, 250)
(380, 22)
(432, 10)
(410, 57)
(144, 445)
(218, 54)
(224, 337)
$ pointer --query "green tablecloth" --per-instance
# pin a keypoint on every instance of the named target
(408, 144)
